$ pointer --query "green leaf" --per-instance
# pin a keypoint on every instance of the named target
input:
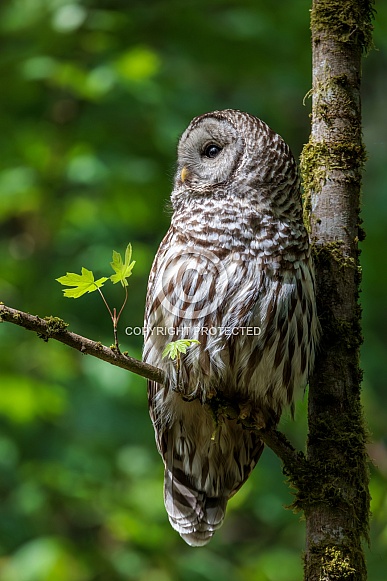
(123, 269)
(173, 349)
(82, 283)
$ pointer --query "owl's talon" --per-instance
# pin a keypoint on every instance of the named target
(254, 421)
(245, 410)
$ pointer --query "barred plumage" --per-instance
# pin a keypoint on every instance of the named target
(234, 272)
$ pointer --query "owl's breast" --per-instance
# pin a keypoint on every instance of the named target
(219, 228)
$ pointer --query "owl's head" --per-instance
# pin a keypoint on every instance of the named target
(224, 147)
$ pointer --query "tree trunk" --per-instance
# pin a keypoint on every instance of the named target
(334, 494)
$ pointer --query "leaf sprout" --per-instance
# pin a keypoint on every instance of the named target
(85, 283)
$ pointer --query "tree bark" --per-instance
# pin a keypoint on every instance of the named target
(334, 492)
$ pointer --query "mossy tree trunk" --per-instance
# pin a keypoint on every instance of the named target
(335, 496)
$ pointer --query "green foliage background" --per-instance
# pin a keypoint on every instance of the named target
(93, 97)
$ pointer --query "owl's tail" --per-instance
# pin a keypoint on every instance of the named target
(199, 480)
(193, 514)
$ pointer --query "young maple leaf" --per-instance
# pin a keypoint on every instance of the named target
(82, 283)
(174, 348)
(123, 269)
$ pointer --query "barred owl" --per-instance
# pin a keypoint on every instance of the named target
(233, 272)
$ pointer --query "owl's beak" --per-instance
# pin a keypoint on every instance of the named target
(184, 173)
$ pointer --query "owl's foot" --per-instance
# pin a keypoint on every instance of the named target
(251, 418)
(245, 410)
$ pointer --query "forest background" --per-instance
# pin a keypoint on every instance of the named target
(93, 97)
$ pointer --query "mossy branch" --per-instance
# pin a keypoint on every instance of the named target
(294, 462)
(56, 328)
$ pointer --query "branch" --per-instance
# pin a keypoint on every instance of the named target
(292, 460)
(55, 328)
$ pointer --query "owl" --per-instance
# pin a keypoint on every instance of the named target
(234, 274)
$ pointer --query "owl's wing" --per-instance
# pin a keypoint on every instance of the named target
(152, 353)
(150, 298)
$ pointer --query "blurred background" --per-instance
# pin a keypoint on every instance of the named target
(94, 95)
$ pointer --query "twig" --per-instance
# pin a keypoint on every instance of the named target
(53, 328)
(281, 446)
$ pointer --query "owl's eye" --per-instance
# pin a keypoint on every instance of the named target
(211, 150)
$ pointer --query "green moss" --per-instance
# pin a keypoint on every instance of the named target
(345, 20)
(338, 478)
(55, 325)
(345, 439)
(334, 99)
(336, 565)
(346, 332)
(342, 92)
(324, 253)
(318, 159)
(349, 333)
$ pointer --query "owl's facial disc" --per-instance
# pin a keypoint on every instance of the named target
(210, 150)
(208, 154)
